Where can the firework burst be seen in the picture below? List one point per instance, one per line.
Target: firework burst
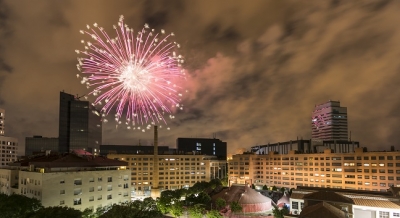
(132, 74)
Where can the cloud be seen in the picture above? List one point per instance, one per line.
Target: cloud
(255, 69)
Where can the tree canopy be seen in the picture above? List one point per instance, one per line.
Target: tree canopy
(17, 206)
(59, 212)
(134, 209)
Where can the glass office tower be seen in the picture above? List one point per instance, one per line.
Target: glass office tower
(80, 125)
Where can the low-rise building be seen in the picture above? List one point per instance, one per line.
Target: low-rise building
(351, 203)
(175, 171)
(362, 170)
(77, 180)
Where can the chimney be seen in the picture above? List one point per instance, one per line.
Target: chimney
(155, 160)
(155, 140)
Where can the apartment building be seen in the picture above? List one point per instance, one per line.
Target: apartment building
(175, 171)
(375, 171)
(73, 180)
(8, 145)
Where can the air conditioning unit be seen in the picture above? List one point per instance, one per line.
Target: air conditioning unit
(295, 212)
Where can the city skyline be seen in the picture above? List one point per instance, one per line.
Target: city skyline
(253, 78)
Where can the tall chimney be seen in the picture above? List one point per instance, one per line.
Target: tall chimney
(154, 189)
(155, 140)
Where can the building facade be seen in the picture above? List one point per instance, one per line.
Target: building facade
(329, 122)
(2, 123)
(40, 144)
(78, 182)
(133, 149)
(307, 146)
(8, 145)
(175, 170)
(8, 181)
(376, 171)
(206, 146)
(80, 125)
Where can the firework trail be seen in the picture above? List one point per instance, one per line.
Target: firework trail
(132, 74)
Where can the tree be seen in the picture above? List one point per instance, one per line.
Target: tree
(274, 188)
(196, 211)
(214, 214)
(16, 206)
(235, 207)
(199, 187)
(265, 187)
(165, 199)
(176, 208)
(215, 183)
(88, 213)
(200, 198)
(280, 212)
(58, 211)
(134, 209)
(290, 191)
(220, 203)
(283, 189)
(253, 186)
(224, 181)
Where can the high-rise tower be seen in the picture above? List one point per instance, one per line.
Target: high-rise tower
(8, 145)
(329, 122)
(80, 125)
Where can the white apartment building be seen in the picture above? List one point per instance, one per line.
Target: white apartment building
(375, 171)
(175, 170)
(355, 203)
(70, 180)
(8, 181)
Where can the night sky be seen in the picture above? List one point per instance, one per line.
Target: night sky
(255, 69)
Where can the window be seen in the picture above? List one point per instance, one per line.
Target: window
(77, 191)
(91, 198)
(62, 181)
(109, 197)
(383, 214)
(62, 202)
(395, 214)
(295, 205)
(99, 188)
(77, 201)
(62, 192)
(78, 182)
(109, 179)
(100, 179)
(100, 197)
(91, 179)
(91, 189)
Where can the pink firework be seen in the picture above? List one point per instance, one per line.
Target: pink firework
(132, 74)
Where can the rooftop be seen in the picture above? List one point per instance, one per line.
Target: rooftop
(74, 159)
